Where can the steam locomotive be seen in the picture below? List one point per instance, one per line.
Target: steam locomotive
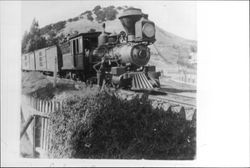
(118, 59)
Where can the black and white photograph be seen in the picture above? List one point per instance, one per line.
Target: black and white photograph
(109, 83)
(122, 82)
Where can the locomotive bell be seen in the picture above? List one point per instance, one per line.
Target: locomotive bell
(128, 19)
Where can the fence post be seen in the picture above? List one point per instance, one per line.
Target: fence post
(55, 72)
(34, 136)
(41, 120)
(45, 125)
(33, 129)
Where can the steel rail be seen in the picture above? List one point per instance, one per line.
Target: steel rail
(175, 94)
(165, 99)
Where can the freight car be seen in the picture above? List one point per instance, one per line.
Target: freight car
(45, 60)
(118, 59)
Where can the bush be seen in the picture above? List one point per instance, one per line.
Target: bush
(56, 27)
(104, 14)
(100, 125)
(59, 25)
(75, 19)
(91, 30)
(100, 16)
(97, 8)
(110, 13)
(89, 15)
(120, 8)
(46, 29)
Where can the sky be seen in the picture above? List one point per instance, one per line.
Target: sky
(178, 17)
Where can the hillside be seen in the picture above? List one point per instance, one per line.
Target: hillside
(173, 49)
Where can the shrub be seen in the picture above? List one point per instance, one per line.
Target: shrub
(92, 30)
(97, 8)
(100, 16)
(101, 125)
(56, 27)
(103, 14)
(120, 8)
(110, 13)
(59, 25)
(46, 29)
(89, 15)
(75, 19)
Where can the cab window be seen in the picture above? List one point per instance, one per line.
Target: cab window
(77, 45)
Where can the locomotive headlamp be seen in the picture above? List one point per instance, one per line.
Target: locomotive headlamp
(148, 29)
(145, 30)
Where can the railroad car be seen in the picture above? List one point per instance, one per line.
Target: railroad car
(48, 60)
(118, 59)
(28, 62)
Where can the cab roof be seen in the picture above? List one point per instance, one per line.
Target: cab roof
(89, 34)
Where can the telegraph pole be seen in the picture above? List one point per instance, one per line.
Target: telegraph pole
(55, 72)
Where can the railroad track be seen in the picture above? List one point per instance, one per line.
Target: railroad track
(174, 101)
(184, 105)
(171, 98)
(171, 101)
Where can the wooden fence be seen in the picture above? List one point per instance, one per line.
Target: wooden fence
(38, 133)
(35, 115)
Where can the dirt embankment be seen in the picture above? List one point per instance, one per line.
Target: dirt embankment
(40, 86)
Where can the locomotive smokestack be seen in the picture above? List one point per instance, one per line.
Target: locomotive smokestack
(128, 19)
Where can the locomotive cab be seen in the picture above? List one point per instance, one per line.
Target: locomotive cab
(77, 55)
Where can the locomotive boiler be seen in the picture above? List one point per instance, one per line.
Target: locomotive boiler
(120, 60)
